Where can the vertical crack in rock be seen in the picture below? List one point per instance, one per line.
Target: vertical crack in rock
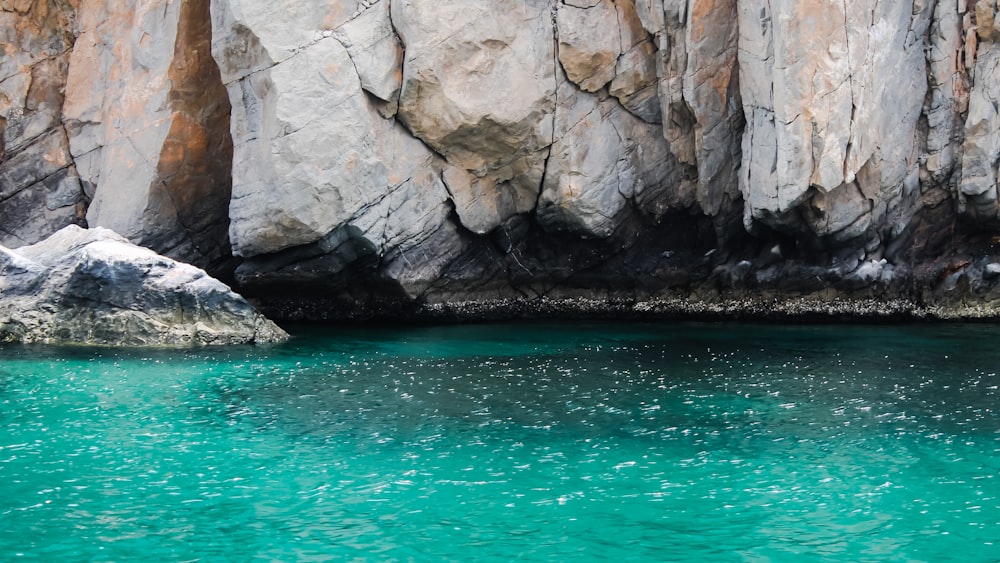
(948, 87)
(635, 84)
(852, 132)
(83, 198)
(194, 167)
(554, 19)
(376, 52)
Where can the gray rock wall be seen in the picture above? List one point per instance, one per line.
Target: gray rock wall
(452, 150)
(40, 189)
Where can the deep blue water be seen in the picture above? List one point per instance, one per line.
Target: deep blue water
(549, 442)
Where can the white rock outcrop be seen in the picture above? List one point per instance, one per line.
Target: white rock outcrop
(479, 89)
(93, 287)
(831, 141)
(318, 155)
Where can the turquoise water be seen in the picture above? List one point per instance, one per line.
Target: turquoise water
(550, 442)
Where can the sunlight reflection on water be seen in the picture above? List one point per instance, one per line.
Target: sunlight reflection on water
(618, 441)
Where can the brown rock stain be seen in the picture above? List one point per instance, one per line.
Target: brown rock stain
(195, 162)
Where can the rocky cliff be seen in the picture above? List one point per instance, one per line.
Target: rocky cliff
(340, 158)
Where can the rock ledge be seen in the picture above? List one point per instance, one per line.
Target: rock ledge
(93, 287)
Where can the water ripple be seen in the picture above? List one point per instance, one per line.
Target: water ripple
(539, 442)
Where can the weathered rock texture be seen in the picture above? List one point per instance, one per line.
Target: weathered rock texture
(396, 155)
(94, 287)
(832, 143)
(121, 96)
(40, 189)
(148, 125)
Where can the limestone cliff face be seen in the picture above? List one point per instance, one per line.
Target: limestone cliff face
(356, 151)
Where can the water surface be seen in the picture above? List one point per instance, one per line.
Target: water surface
(642, 442)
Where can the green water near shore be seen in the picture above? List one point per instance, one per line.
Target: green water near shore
(639, 442)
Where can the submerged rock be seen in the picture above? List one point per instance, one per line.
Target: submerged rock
(94, 287)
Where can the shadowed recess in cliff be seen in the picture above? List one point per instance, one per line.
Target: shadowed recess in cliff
(148, 126)
(195, 164)
(344, 277)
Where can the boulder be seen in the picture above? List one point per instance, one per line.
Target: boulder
(991, 271)
(94, 287)
(478, 87)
